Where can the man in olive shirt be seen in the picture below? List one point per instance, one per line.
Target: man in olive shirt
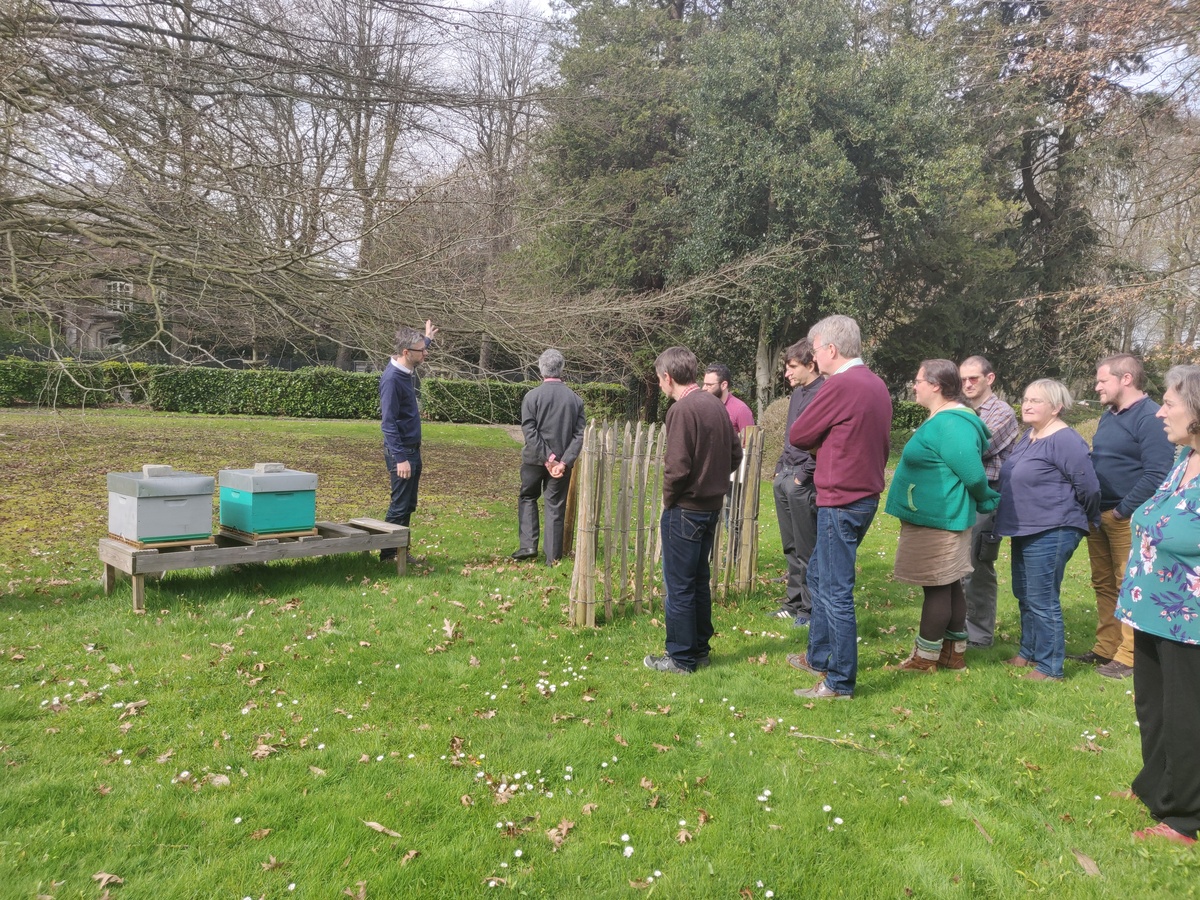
(702, 449)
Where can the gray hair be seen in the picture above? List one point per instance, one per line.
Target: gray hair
(551, 363)
(839, 331)
(1055, 392)
(1185, 381)
(407, 338)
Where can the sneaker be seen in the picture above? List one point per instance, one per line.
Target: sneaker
(779, 614)
(664, 664)
(801, 620)
(1163, 830)
(524, 553)
(1092, 658)
(1114, 669)
(800, 661)
(820, 692)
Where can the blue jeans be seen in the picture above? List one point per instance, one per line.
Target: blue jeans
(404, 490)
(687, 540)
(833, 632)
(1038, 563)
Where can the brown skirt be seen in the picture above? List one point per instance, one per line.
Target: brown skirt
(932, 556)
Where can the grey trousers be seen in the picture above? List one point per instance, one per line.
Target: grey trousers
(981, 588)
(796, 510)
(536, 482)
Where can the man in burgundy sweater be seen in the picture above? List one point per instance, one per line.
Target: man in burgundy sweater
(702, 449)
(847, 427)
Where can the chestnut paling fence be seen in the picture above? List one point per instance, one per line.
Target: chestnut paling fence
(616, 490)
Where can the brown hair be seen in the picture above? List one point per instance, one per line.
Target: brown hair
(944, 373)
(678, 362)
(1125, 364)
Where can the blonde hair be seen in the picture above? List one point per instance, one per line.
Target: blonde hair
(1055, 392)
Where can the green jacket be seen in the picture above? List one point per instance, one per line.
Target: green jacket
(940, 481)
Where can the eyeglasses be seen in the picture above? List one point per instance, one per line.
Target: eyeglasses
(971, 379)
(420, 349)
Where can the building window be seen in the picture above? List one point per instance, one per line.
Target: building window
(119, 297)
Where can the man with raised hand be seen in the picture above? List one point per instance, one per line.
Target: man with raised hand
(400, 419)
(1131, 456)
(847, 426)
(702, 449)
(552, 421)
(977, 379)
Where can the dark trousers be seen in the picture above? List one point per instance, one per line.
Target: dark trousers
(1165, 678)
(796, 510)
(536, 482)
(687, 542)
(404, 490)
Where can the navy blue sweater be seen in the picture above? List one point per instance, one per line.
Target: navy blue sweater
(400, 416)
(1131, 455)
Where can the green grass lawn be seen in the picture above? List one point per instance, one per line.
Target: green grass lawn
(239, 739)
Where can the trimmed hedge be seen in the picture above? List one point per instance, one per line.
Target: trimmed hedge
(74, 384)
(319, 392)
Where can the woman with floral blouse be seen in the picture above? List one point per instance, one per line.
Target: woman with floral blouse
(1160, 598)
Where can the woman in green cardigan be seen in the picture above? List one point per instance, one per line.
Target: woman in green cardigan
(938, 488)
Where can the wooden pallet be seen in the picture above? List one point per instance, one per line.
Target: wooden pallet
(145, 545)
(355, 536)
(247, 537)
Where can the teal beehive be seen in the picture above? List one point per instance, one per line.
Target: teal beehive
(268, 499)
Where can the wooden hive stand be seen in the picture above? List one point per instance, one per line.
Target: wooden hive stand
(355, 536)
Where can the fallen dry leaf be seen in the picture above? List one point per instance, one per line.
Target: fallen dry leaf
(316, 771)
(262, 751)
(103, 790)
(589, 808)
(684, 836)
(661, 748)
(702, 818)
(375, 826)
(770, 726)
(760, 660)
(163, 757)
(105, 879)
(620, 740)
(259, 834)
(559, 833)
(639, 884)
(473, 662)
(217, 780)
(485, 713)
(409, 857)
(646, 783)
(360, 894)
(1086, 862)
(466, 800)
(449, 628)
(271, 864)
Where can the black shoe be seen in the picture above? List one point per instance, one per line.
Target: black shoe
(525, 553)
(1092, 658)
(703, 662)
(387, 555)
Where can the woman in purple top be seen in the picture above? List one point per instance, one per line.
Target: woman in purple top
(1049, 495)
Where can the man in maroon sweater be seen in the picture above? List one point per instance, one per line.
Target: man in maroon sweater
(847, 427)
(702, 449)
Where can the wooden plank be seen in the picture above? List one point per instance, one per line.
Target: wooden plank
(139, 593)
(238, 534)
(378, 525)
(333, 529)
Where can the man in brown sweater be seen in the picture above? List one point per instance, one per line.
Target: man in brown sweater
(702, 449)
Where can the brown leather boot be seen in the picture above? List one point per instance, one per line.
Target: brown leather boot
(952, 656)
(919, 661)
